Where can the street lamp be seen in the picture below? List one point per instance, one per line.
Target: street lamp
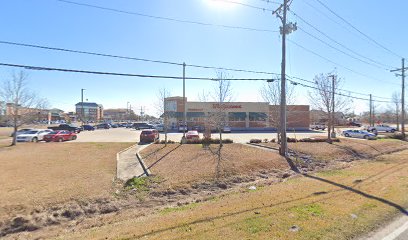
(82, 106)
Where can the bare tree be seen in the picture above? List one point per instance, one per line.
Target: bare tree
(221, 94)
(163, 110)
(271, 93)
(396, 101)
(321, 98)
(23, 105)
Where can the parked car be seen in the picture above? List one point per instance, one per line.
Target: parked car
(114, 125)
(358, 134)
(197, 128)
(317, 126)
(192, 135)
(182, 128)
(226, 129)
(88, 128)
(139, 126)
(102, 126)
(354, 124)
(159, 127)
(149, 135)
(67, 127)
(60, 136)
(34, 135)
(381, 128)
(21, 131)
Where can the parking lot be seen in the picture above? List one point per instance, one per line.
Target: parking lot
(131, 135)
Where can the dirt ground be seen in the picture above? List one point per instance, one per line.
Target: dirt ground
(180, 164)
(38, 175)
(337, 204)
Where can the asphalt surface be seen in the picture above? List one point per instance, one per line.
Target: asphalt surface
(131, 135)
(395, 230)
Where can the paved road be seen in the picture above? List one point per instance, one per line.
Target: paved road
(131, 135)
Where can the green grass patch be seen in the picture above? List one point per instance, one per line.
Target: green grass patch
(307, 211)
(142, 184)
(168, 210)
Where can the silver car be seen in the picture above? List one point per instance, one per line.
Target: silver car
(358, 134)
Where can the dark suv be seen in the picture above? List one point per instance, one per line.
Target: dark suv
(139, 126)
(102, 126)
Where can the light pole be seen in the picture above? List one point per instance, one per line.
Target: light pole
(127, 111)
(82, 106)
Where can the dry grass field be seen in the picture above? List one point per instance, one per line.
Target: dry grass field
(346, 148)
(40, 174)
(180, 164)
(337, 204)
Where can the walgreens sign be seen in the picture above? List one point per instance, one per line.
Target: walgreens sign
(225, 106)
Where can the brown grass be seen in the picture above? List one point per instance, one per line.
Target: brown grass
(346, 148)
(179, 164)
(39, 174)
(338, 204)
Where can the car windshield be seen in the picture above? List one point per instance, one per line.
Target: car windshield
(147, 132)
(53, 132)
(31, 132)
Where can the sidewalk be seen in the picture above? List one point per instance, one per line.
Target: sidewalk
(127, 164)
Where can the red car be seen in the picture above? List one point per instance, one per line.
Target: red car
(60, 136)
(149, 135)
(192, 135)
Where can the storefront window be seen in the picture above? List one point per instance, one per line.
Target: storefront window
(237, 116)
(257, 116)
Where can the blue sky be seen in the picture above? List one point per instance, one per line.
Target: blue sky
(58, 24)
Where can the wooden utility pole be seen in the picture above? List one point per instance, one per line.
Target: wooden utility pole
(371, 110)
(333, 134)
(286, 28)
(402, 95)
(184, 101)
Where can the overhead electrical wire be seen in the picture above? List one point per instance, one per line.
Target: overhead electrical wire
(359, 31)
(372, 62)
(162, 62)
(340, 65)
(167, 18)
(38, 68)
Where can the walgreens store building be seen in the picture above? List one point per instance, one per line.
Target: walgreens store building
(238, 115)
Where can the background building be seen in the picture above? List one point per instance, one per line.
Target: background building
(89, 112)
(237, 115)
(118, 114)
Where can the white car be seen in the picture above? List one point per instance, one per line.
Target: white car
(182, 128)
(34, 135)
(381, 128)
(226, 129)
(159, 127)
(358, 134)
(317, 126)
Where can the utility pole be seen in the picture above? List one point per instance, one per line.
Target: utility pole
(82, 106)
(402, 95)
(333, 134)
(371, 110)
(184, 101)
(285, 29)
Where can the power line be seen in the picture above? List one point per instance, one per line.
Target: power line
(356, 29)
(167, 18)
(37, 68)
(373, 62)
(132, 58)
(340, 65)
(244, 5)
(162, 62)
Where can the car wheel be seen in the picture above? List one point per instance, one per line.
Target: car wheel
(392, 130)
(365, 137)
(34, 139)
(60, 139)
(347, 135)
(74, 138)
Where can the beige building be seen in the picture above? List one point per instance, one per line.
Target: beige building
(238, 115)
(89, 111)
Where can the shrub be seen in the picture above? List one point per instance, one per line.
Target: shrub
(397, 136)
(207, 141)
(255, 141)
(273, 140)
(265, 140)
(164, 142)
